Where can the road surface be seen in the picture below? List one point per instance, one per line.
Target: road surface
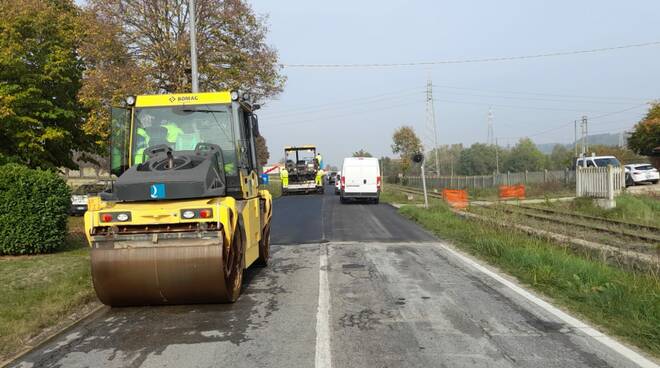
(348, 286)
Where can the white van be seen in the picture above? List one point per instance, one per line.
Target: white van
(360, 179)
(597, 161)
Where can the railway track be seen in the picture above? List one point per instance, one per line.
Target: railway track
(621, 229)
(596, 218)
(650, 234)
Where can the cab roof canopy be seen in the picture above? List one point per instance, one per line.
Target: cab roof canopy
(186, 99)
(302, 147)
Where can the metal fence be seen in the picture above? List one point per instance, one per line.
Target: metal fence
(564, 177)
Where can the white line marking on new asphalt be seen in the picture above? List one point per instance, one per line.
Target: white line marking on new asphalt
(576, 323)
(323, 356)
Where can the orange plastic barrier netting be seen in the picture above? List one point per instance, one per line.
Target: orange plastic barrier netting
(455, 198)
(512, 191)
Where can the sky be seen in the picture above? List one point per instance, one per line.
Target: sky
(342, 110)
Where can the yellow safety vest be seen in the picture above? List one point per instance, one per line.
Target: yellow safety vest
(173, 132)
(284, 174)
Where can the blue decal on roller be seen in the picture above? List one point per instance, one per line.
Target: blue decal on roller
(157, 191)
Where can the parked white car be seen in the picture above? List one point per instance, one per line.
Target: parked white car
(338, 183)
(360, 179)
(641, 173)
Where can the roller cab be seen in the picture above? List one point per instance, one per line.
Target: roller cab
(185, 216)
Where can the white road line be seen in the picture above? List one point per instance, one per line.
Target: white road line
(323, 356)
(572, 321)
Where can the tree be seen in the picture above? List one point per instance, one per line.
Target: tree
(524, 156)
(406, 143)
(646, 135)
(560, 158)
(624, 155)
(479, 159)
(448, 156)
(40, 76)
(262, 151)
(111, 75)
(231, 42)
(361, 153)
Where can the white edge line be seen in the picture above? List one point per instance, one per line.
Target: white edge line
(323, 356)
(572, 321)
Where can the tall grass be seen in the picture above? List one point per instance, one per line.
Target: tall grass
(625, 304)
(630, 208)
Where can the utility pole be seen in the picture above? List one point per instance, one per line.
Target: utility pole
(491, 133)
(497, 157)
(193, 46)
(575, 141)
(585, 133)
(430, 121)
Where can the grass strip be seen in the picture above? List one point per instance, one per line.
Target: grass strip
(37, 292)
(643, 210)
(624, 304)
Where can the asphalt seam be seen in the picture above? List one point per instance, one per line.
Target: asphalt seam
(323, 358)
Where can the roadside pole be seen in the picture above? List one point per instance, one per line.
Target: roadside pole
(193, 47)
(419, 158)
(426, 198)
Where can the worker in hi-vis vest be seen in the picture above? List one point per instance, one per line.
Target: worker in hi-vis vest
(284, 175)
(319, 178)
(319, 160)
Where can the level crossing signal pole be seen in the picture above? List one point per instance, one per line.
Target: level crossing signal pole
(419, 158)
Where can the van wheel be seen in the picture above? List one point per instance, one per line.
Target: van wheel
(377, 200)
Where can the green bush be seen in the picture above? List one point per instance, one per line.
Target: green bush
(34, 208)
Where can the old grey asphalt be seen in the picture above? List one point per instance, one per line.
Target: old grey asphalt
(397, 298)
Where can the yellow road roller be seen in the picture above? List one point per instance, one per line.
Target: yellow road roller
(185, 216)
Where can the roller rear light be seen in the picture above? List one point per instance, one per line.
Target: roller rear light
(343, 182)
(115, 217)
(191, 214)
(378, 181)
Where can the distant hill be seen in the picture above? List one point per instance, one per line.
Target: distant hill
(605, 139)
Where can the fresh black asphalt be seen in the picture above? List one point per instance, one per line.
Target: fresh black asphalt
(397, 298)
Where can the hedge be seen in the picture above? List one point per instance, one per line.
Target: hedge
(34, 208)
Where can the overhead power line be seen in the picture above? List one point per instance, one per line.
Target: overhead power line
(567, 96)
(475, 60)
(558, 127)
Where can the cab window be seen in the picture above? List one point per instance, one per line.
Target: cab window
(119, 140)
(182, 128)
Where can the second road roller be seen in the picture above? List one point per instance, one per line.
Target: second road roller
(185, 216)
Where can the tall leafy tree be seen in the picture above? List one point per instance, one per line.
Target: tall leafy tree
(646, 136)
(361, 153)
(524, 156)
(231, 41)
(40, 76)
(560, 158)
(479, 159)
(143, 46)
(262, 151)
(406, 144)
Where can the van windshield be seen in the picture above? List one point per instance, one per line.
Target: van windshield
(603, 162)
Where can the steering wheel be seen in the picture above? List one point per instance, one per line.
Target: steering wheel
(164, 164)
